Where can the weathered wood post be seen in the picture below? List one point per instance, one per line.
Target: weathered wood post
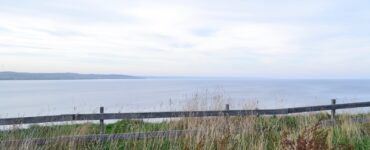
(101, 120)
(333, 102)
(227, 107)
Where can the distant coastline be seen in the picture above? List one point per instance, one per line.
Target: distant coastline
(8, 75)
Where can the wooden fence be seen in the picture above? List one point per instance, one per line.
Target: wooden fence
(163, 134)
(175, 114)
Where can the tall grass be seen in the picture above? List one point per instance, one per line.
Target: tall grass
(296, 132)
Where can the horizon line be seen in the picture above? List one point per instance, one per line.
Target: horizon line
(199, 76)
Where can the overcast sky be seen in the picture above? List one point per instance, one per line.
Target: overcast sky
(283, 39)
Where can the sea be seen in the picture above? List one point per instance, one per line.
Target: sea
(21, 98)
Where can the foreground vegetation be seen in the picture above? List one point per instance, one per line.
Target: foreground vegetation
(292, 132)
(275, 132)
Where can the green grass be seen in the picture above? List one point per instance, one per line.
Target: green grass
(216, 133)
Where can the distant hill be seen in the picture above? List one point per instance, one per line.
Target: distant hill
(60, 76)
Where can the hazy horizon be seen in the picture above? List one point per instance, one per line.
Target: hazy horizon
(253, 39)
(198, 77)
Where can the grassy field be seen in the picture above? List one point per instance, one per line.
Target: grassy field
(276, 132)
(293, 132)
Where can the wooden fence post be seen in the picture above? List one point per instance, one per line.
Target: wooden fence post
(227, 107)
(333, 102)
(102, 121)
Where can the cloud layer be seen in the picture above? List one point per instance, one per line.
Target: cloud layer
(208, 38)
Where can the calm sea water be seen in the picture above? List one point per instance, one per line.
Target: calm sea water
(28, 98)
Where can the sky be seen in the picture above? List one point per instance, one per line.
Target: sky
(233, 38)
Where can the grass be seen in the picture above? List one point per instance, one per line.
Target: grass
(299, 132)
(293, 132)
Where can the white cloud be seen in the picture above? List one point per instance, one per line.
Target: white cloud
(239, 38)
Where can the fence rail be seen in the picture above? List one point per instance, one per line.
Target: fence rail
(101, 137)
(146, 115)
